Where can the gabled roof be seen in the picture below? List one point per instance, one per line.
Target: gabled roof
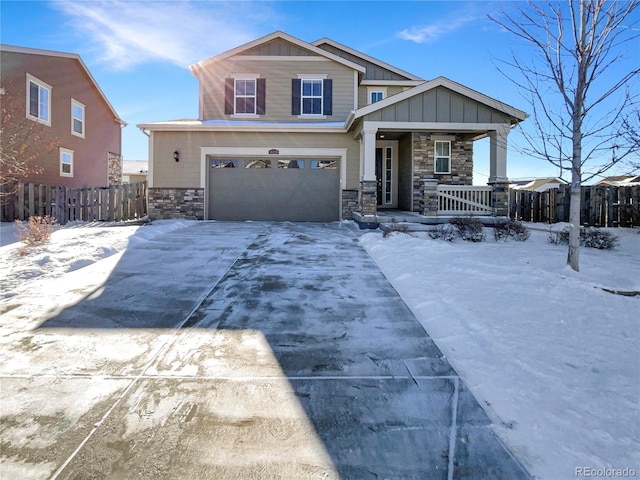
(536, 184)
(363, 56)
(519, 115)
(74, 56)
(272, 36)
(620, 181)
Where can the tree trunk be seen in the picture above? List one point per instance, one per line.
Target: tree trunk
(574, 220)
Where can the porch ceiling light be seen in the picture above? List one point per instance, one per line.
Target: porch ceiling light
(176, 156)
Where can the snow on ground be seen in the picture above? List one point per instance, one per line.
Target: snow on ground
(72, 247)
(552, 357)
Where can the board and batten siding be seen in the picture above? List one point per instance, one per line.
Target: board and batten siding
(278, 47)
(374, 72)
(167, 173)
(439, 105)
(278, 75)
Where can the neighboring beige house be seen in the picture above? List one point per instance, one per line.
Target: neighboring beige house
(290, 130)
(57, 91)
(620, 181)
(134, 171)
(536, 184)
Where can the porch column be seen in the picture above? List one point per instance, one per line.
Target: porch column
(498, 171)
(498, 155)
(368, 191)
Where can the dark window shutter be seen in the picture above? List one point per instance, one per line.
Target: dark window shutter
(33, 99)
(228, 96)
(261, 90)
(327, 97)
(296, 92)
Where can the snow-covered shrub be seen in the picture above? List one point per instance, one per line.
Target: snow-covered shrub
(394, 227)
(559, 238)
(598, 238)
(37, 231)
(445, 232)
(589, 237)
(469, 228)
(505, 229)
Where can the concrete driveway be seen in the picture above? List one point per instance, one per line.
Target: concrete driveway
(239, 350)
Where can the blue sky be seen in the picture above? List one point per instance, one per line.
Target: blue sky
(139, 51)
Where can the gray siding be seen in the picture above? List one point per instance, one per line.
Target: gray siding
(278, 75)
(363, 96)
(374, 72)
(439, 105)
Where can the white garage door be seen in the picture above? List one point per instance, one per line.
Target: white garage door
(259, 188)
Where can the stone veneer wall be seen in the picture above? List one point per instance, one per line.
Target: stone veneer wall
(424, 159)
(169, 203)
(349, 203)
(368, 197)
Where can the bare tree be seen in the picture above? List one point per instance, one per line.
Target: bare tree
(630, 132)
(575, 88)
(23, 142)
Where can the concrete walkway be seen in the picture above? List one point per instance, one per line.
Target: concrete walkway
(240, 350)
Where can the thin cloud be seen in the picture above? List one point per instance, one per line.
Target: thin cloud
(438, 29)
(125, 34)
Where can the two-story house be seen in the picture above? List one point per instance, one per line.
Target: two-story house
(56, 92)
(290, 130)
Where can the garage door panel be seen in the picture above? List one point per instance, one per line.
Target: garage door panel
(295, 194)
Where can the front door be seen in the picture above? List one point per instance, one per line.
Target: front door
(387, 174)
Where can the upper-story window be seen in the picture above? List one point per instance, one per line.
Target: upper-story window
(245, 95)
(77, 118)
(376, 96)
(442, 156)
(311, 95)
(38, 100)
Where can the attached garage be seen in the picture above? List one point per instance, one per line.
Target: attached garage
(274, 187)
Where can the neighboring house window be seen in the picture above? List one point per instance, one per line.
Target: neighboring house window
(66, 162)
(245, 96)
(442, 156)
(38, 100)
(376, 96)
(77, 118)
(311, 96)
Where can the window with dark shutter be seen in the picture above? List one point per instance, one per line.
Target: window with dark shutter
(228, 96)
(327, 96)
(261, 94)
(296, 91)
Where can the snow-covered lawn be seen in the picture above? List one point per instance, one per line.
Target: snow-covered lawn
(72, 247)
(553, 358)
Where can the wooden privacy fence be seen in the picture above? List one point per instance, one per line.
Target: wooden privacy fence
(114, 203)
(599, 205)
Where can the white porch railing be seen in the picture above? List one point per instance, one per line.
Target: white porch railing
(464, 200)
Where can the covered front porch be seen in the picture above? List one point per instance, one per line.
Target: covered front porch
(428, 174)
(416, 152)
